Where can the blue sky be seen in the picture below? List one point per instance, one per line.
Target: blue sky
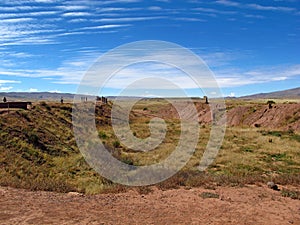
(48, 45)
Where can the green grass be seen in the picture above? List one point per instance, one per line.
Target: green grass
(284, 134)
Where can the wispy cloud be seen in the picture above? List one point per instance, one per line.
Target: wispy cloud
(128, 19)
(108, 26)
(5, 88)
(116, 9)
(18, 34)
(108, 2)
(256, 6)
(78, 20)
(3, 84)
(76, 14)
(72, 71)
(72, 7)
(254, 16)
(9, 82)
(15, 8)
(25, 27)
(42, 13)
(154, 8)
(270, 8)
(189, 19)
(228, 3)
(235, 77)
(31, 15)
(17, 20)
(215, 11)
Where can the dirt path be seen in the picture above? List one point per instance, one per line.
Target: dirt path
(250, 205)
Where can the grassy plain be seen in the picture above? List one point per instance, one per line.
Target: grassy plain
(38, 150)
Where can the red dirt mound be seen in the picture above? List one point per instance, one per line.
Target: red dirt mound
(280, 116)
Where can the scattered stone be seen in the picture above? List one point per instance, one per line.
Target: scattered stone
(73, 193)
(272, 185)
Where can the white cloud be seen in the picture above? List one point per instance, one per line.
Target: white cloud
(108, 26)
(18, 8)
(254, 16)
(9, 81)
(216, 11)
(70, 71)
(228, 3)
(54, 91)
(128, 19)
(219, 58)
(154, 8)
(280, 78)
(78, 20)
(17, 20)
(20, 31)
(118, 1)
(115, 9)
(20, 54)
(76, 14)
(256, 6)
(45, 1)
(26, 16)
(33, 90)
(5, 88)
(270, 8)
(235, 77)
(73, 70)
(44, 13)
(72, 7)
(189, 19)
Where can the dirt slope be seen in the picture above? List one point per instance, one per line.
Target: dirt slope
(280, 116)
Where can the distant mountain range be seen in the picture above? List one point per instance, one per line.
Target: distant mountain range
(40, 96)
(35, 96)
(286, 94)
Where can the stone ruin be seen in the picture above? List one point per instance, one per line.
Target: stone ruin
(102, 99)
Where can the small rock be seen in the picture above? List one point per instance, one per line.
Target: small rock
(272, 185)
(72, 193)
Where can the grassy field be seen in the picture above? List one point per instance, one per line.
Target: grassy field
(39, 151)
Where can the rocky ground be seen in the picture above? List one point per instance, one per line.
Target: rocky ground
(255, 204)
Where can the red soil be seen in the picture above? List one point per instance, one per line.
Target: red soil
(249, 205)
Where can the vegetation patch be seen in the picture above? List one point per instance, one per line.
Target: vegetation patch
(290, 193)
(284, 134)
(209, 195)
(247, 148)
